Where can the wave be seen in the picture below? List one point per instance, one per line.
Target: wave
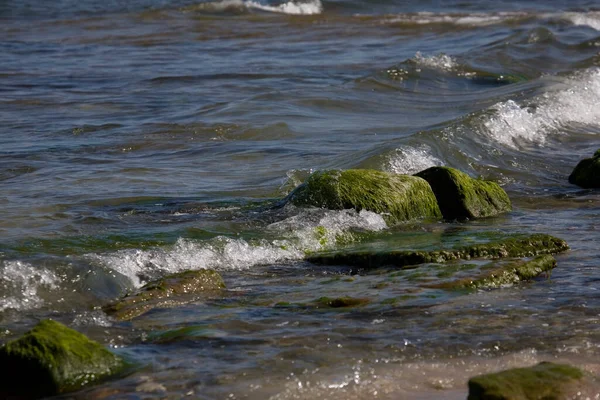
(21, 284)
(478, 20)
(410, 160)
(310, 7)
(512, 123)
(309, 230)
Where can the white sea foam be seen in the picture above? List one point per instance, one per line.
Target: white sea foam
(441, 62)
(473, 19)
(20, 284)
(577, 103)
(309, 231)
(410, 160)
(591, 19)
(291, 7)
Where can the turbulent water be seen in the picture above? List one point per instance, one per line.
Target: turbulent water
(147, 137)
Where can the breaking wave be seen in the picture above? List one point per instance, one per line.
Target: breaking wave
(311, 7)
(576, 102)
(21, 283)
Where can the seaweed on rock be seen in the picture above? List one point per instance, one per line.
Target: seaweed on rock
(52, 359)
(396, 197)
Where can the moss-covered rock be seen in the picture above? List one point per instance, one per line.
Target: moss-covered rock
(528, 246)
(587, 173)
(547, 381)
(459, 196)
(397, 197)
(504, 274)
(170, 291)
(52, 359)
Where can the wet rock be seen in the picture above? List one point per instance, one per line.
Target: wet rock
(504, 274)
(170, 291)
(52, 359)
(397, 197)
(587, 173)
(546, 381)
(459, 196)
(341, 302)
(528, 246)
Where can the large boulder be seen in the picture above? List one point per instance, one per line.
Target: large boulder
(396, 197)
(170, 291)
(528, 246)
(459, 196)
(52, 359)
(546, 381)
(587, 173)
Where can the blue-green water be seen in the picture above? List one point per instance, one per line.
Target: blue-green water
(148, 137)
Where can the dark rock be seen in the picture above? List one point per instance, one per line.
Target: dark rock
(459, 196)
(587, 173)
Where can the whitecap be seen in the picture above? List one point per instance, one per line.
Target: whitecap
(577, 102)
(310, 230)
(291, 7)
(591, 19)
(20, 283)
(442, 62)
(410, 160)
(472, 19)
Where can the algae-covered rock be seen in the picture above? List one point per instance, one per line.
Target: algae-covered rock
(52, 359)
(528, 246)
(545, 381)
(459, 196)
(587, 173)
(504, 274)
(170, 291)
(397, 197)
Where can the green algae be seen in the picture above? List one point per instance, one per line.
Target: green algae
(170, 291)
(52, 359)
(587, 172)
(528, 246)
(545, 381)
(504, 274)
(397, 198)
(459, 196)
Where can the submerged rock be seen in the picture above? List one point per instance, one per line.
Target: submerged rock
(52, 359)
(528, 246)
(504, 274)
(170, 291)
(587, 173)
(341, 302)
(459, 196)
(397, 197)
(546, 381)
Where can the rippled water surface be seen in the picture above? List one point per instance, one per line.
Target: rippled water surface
(148, 137)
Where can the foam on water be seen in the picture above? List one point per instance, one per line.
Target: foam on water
(291, 7)
(410, 160)
(472, 19)
(513, 123)
(591, 19)
(311, 230)
(441, 62)
(20, 284)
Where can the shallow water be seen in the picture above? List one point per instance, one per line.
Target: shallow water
(152, 136)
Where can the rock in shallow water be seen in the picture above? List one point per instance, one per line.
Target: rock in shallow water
(511, 247)
(52, 359)
(547, 381)
(397, 197)
(587, 173)
(170, 291)
(459, 196)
